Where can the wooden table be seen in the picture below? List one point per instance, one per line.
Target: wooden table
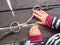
(21, 16)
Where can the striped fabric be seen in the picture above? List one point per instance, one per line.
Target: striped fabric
(54, 40)
(53, 22)
(56, 23)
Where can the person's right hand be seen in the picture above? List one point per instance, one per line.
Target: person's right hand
(34, 31)
(41, 15)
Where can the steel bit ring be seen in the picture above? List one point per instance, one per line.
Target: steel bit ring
(13, 27)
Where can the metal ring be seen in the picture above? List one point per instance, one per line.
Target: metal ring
(11, 27)
(35, 7)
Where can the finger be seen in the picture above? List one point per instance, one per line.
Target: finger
(36, 25)
(33, 28)
(37, 12)
(42, 11)
(37, 16)
(35, 31)
(38, 22)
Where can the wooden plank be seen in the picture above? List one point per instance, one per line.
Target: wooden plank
(21, 16)
(23, 35)
(3, 5)
(25, 3)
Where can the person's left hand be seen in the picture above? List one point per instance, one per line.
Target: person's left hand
(41, 15)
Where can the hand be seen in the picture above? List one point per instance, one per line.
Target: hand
(41, 15)
(34, 31)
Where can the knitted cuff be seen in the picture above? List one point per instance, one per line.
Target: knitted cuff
(37, 38)
(48, 21)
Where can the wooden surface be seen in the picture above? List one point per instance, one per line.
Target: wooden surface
(23, 15)
(25, 3)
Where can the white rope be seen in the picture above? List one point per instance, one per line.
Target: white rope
(32, 15)
(10, 6)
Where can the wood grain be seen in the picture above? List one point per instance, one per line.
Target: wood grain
(21, 16)
(25, 3)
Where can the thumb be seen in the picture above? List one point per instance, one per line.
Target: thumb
(38, 22)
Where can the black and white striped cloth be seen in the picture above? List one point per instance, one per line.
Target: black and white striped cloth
(54, 40)
(56, 23)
